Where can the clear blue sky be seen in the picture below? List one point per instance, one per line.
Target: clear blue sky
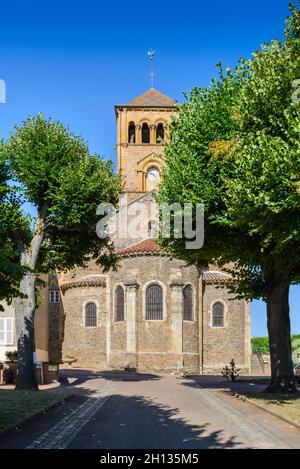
(73, 60)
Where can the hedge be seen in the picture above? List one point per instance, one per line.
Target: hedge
(262, 343)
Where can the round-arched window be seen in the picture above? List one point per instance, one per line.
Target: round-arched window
(152, 178)
(218, 315)
(145, 133)
(131, 132)
(188, 303)
(119, 303)
(154, 302)
(160, 133)
(90, 315)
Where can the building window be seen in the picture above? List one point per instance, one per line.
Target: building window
(54, 296)
(152, 178)
(188, 303)
(6, 331)
(145, 133)
(160, 133)
(131, 133)
(119, 304)
(90, 315)
(218, 315)
(154, 302)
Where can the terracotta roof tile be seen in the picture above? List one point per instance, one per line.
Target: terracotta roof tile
(149, 246)
(215, 276)
(87, 281)
(153, 98)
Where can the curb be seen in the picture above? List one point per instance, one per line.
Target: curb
(14, 427)
(271, 412)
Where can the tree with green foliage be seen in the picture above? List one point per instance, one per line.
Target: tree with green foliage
(11, 220)
(65, 184)
(262, 344)
(235, 146)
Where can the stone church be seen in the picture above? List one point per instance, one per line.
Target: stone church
(154, 313)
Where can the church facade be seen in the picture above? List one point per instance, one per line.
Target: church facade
(154, 313)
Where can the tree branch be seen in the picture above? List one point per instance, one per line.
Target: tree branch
(31, 255)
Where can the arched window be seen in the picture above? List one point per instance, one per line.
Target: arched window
(152, 178)
(218, 315)
(145, 133)
(160, 133)
(131, 132)
(119, 304)
(188, 303)
(154, 302)
(90, 315)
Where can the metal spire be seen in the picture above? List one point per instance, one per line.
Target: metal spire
(151, 54)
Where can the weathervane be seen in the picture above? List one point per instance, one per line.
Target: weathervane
(151, 54)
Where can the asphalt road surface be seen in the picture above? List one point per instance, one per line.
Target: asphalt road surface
(118, 410)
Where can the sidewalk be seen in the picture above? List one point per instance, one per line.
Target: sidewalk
(42, 387)
(250, 391)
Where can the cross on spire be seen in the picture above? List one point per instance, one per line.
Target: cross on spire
(152, 74)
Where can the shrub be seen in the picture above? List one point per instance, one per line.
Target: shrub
(11, 355)
(231, 371)
(262, 343)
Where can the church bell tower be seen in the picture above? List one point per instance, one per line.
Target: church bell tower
(142, 127)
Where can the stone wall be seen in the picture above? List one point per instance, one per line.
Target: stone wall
(168, 345)
(159, 345)
(86, 344)
(221, 344)
(133, 202)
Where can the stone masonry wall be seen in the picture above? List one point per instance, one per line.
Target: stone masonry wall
(155, 344)
(86, 344)
(220, 345)
(158, 347)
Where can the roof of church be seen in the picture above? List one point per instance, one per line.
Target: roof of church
(153, 98)
(148, 246)
(215, 276)
(86, 281)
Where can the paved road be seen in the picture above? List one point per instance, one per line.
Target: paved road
(118, 410)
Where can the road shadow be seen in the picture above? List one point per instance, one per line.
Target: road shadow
(128, 376)
(217, 382)
(86, 382)
(126, 422)
(135, 422)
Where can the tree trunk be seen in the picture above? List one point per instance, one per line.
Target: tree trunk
(25, 308)
(24, 311)
(278, 313)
